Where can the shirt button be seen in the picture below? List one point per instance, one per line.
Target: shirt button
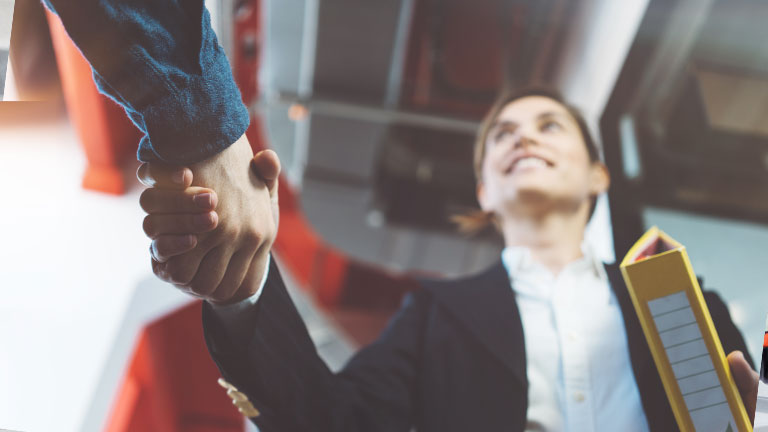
(579, 397)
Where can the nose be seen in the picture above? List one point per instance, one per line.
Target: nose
(523, 140)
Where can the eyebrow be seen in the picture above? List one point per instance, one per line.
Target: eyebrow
(506, 123)
(549, 114)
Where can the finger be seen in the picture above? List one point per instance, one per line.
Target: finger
(237, 269)
(252, 280)
(158, 268)
(746, 381)
(211, 271)
(165, 247)
(157, 174)
(266, 164)
(181, 269)
(190, 200)
(158, 224)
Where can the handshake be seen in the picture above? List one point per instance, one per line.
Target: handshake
(212, 224)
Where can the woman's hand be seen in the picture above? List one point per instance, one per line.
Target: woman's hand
(746, 381)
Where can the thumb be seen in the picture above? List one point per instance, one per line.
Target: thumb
(266, 165)
(746, 380)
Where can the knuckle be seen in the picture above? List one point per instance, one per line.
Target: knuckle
(168, 245)
(160, 270)
(232, 233)
(177, 271)
(252, 239)
(157, 267)
(142, 174)
(149, 226)
(150, 174)
(202, 287)
(271, 233)
(161, 249)
(226, 234)
(186, 291)
(207, 241)
(219, 295)
(145, 201)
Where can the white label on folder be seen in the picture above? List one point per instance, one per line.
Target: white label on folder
(687, 354)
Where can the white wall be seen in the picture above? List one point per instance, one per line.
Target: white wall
(593, 56)
(6, 16)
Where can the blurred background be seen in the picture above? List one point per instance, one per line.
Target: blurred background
(6, 16)
(372, 109)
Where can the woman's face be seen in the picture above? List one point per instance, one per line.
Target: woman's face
(536, 160)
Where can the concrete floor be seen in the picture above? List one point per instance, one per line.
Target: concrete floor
(70, 260)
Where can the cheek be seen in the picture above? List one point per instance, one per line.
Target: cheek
(575, 159)
(576, 180)
(488, 170)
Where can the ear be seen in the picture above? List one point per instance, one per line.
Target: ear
(599, 178)
(481, 197)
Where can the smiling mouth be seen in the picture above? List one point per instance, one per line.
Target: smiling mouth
(528, 162)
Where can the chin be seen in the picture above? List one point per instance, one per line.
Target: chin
(532, 195)
(528, 197)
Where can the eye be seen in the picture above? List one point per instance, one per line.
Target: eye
(500, 134)
(551, 126)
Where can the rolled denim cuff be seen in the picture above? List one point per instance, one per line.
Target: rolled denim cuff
(196, 122)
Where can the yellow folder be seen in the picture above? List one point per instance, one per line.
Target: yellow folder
(682, 337)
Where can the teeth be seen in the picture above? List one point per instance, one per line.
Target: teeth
(530, 162)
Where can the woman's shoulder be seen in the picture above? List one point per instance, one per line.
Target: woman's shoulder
(491, 274)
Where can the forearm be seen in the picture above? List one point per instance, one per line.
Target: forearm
(276, 364)
(271, 358)
(161, 61)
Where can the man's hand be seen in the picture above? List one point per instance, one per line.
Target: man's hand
(746, 381)
(218, 255)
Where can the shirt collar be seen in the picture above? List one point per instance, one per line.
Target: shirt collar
(518, 259)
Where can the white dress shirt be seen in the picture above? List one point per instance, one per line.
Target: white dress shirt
(579, 373)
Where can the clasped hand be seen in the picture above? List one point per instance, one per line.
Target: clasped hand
(213, 245)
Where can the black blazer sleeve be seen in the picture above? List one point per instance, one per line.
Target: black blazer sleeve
(277, 367)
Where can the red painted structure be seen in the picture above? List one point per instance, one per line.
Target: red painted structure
(108, 137)
(170, 383)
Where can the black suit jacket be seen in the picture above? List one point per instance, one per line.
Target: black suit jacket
(452, 359)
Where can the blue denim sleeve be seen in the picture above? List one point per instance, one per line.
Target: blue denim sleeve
(161, 61)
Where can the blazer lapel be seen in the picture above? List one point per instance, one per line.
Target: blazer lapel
(486, 305)
(638, 347)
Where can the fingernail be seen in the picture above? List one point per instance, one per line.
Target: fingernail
(178, 177)
(203, 200)
(204, 220)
